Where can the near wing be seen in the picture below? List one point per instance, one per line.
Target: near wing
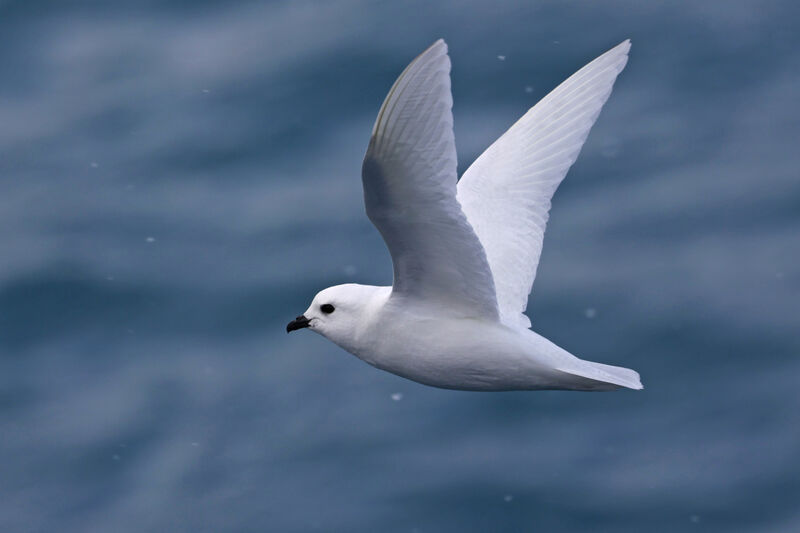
(506, 192)
(410, 177)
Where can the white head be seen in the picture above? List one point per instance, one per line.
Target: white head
(338, 312)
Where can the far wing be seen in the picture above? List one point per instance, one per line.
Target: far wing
(410, 177)
(506, 192)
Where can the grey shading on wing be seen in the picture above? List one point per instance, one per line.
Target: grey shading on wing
(506, 192)
(409, 175)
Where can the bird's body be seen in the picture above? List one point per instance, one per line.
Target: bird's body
(465, 252)
(417, 341)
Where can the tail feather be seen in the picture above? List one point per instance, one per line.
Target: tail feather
(613, 375)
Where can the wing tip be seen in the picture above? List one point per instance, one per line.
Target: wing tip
(435, 52)
(439, 45)
(618, 55)
(624, 47)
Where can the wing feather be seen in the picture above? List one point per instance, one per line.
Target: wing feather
(409, 176)
(506, 192)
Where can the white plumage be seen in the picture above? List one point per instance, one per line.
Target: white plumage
(465, 253)
(409, 176)
(506, 192)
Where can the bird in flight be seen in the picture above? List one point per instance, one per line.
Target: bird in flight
(464, 252)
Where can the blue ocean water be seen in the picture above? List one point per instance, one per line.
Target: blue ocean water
(178, 179)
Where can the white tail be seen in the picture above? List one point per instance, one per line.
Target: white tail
(601, 375)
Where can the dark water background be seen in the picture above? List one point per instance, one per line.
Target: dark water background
(177, 180)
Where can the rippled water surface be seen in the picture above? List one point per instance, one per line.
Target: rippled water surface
(177, 180)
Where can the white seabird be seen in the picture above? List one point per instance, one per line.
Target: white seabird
(465, 252)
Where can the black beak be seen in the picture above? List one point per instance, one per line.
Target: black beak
(298, 323)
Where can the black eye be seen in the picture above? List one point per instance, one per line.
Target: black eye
(327, 308)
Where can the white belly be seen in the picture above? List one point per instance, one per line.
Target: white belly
(464, 354)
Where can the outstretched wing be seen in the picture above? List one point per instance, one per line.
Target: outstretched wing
(410, 177)
(506, 192)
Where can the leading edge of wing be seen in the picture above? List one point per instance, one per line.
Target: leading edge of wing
(409, 177)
